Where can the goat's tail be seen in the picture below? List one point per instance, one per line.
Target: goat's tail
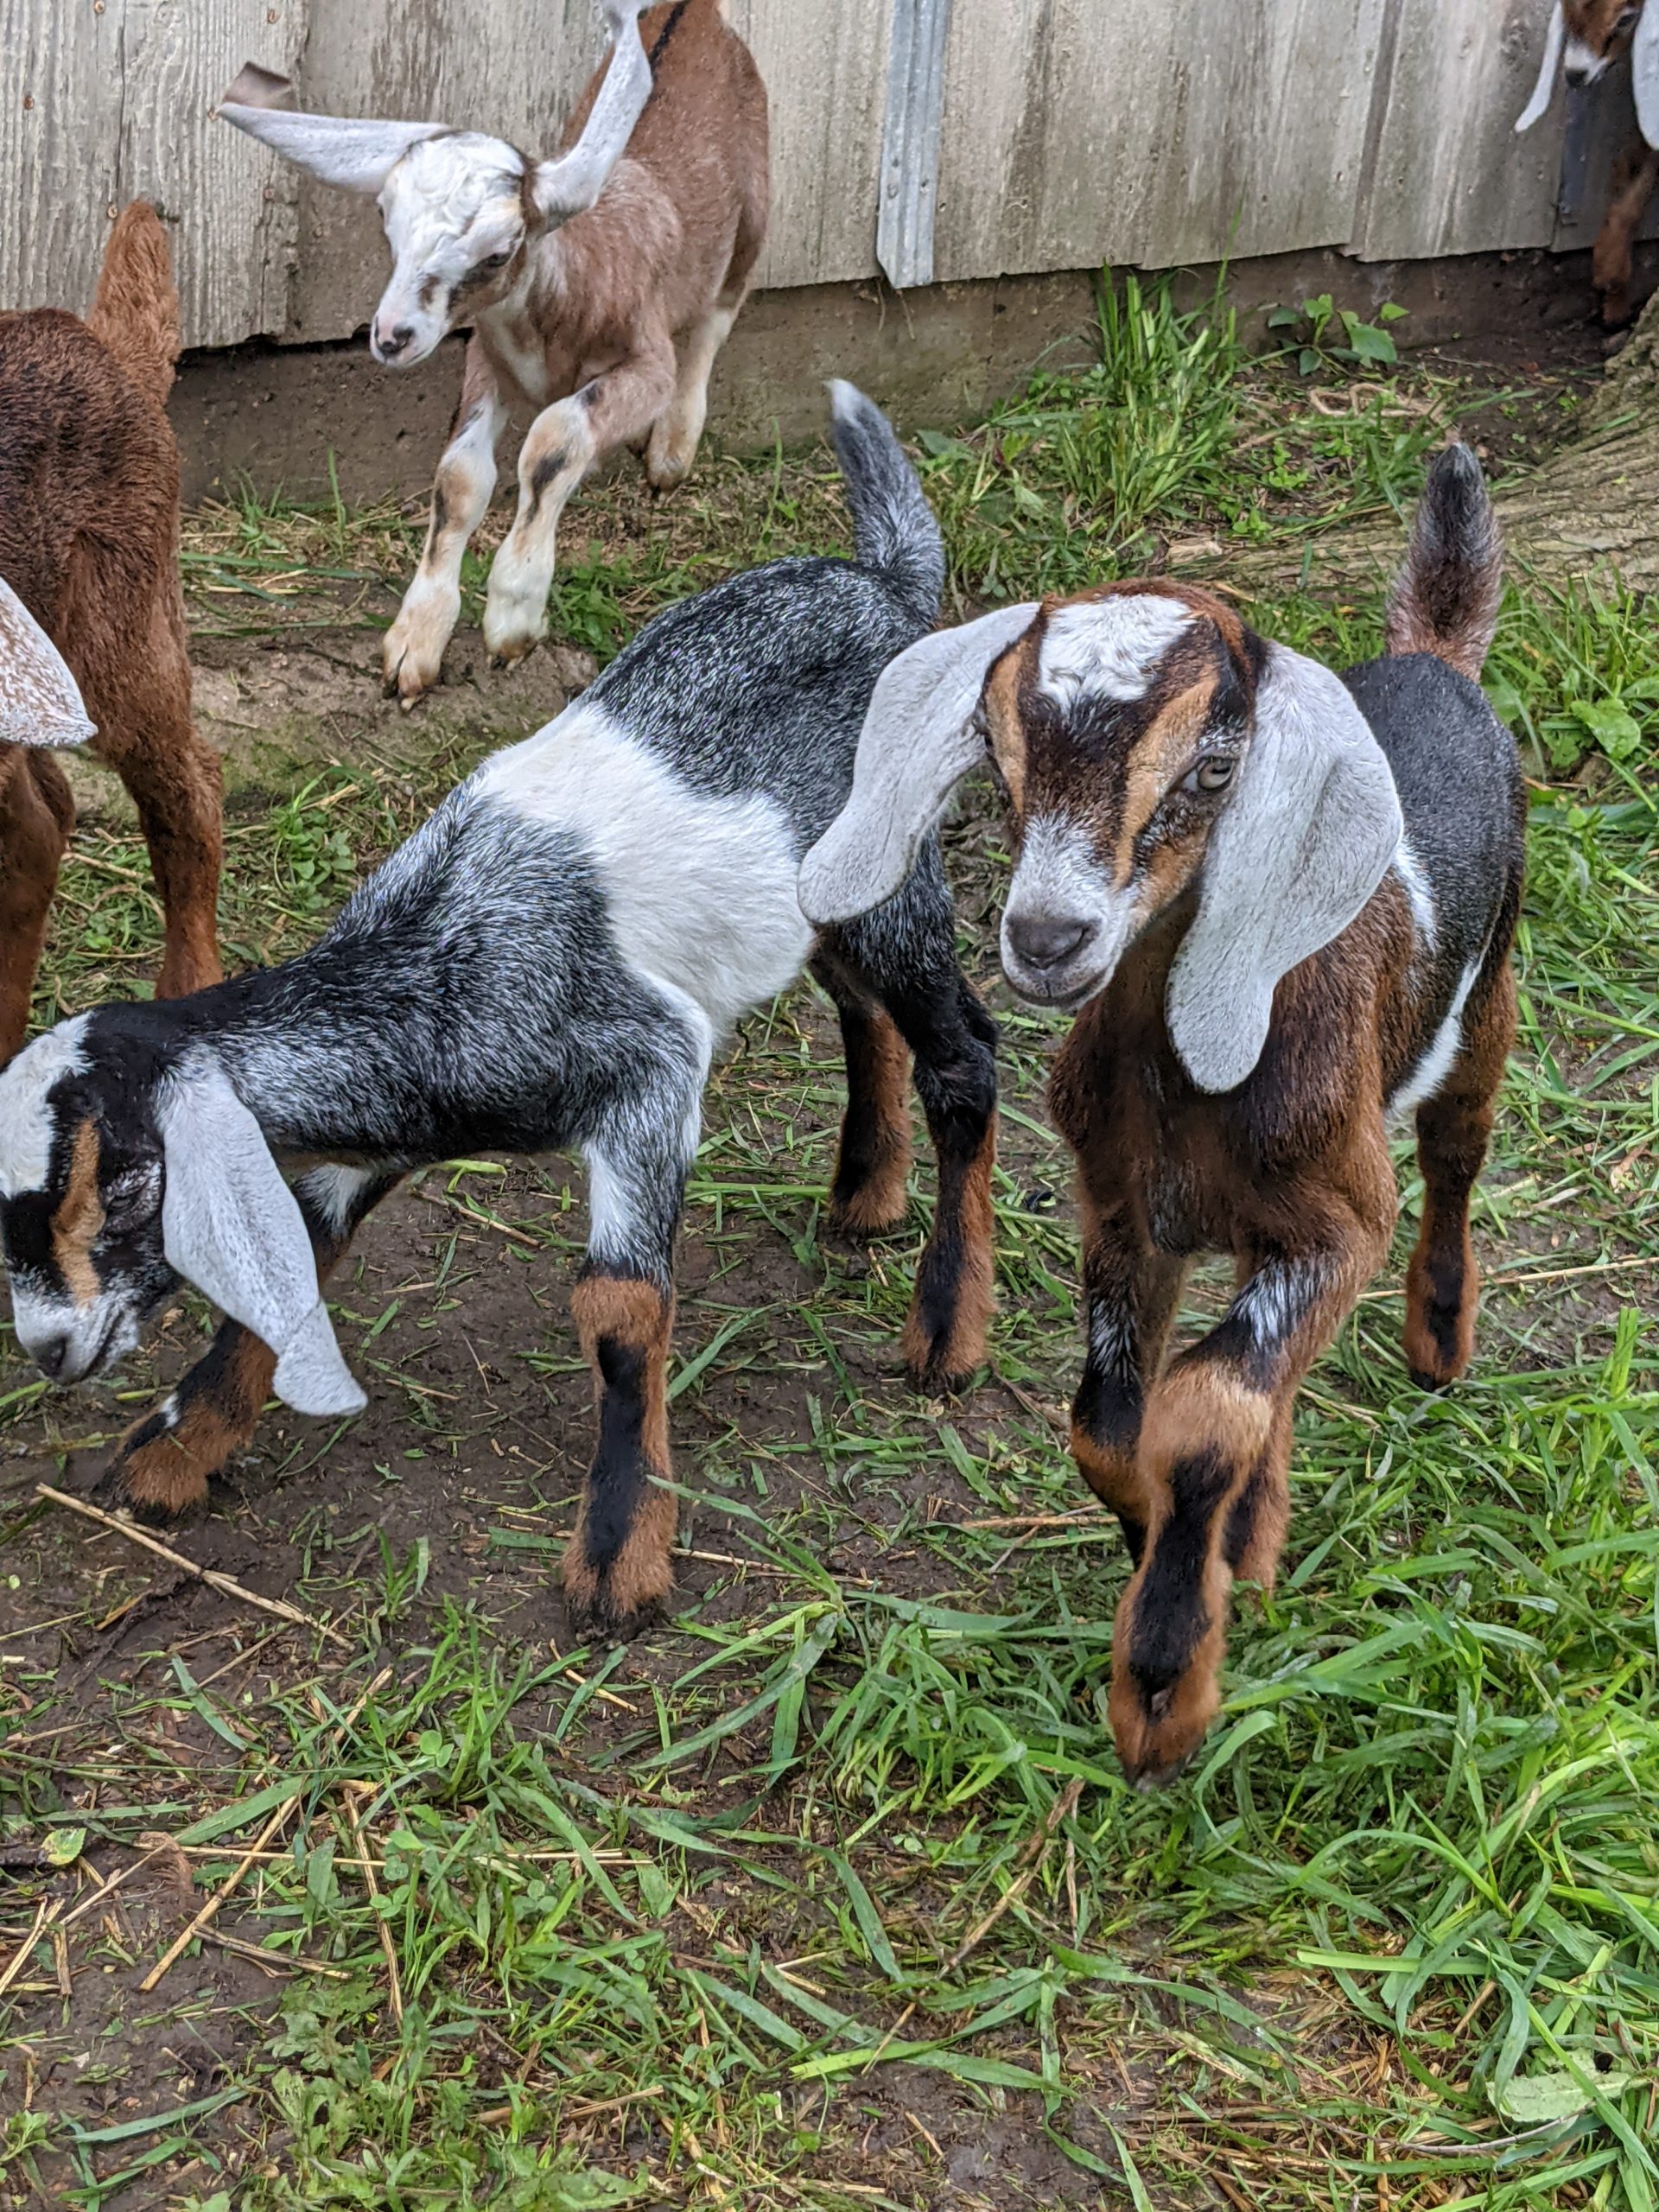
(136, 312)
(1445, 597)
(894, 529)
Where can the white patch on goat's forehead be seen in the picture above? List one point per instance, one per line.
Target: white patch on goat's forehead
(442, 183)
(1107, 648)
(25, 1118)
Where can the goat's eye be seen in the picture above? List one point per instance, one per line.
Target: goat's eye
(1213, 773)
(498, 260)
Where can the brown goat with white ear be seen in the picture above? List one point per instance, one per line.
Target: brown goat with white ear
(1282, 902)
(89, 520)
(579, 276)
(1584, 38)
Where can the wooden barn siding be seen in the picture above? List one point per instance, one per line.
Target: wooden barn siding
(1075, 132)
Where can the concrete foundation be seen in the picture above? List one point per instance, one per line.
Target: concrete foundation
(271, 416)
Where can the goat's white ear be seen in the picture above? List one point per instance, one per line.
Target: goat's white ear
(572, 182)
(1544, 90)
(232, 1226)
(1644, 73)
(1306, 838)
(357, 154)
(40, 701)
(920, 736)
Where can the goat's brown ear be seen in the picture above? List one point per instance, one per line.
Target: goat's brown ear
(573, 181)
(1544, 90)
(1304, 841)
(1644, 73)
(253, 87)
(40, 701)
(920, 735)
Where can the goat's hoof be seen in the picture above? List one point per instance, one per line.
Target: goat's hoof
(864, 1223)
(511, 650)
(154, 1475)
(937, 1378)
(596, 1619)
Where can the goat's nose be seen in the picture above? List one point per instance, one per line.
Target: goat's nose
(1575, 76)
(394, 340)
(1048, 941)
(50, 1353)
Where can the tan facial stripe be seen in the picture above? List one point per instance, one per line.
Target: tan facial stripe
(78, 1219)
(1164, 748)
(1002, 719)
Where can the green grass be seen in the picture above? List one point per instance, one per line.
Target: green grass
(834, 1886)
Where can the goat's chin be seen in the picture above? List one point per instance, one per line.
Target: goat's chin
(1058, 993)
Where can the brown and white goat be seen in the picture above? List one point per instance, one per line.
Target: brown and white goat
(579, 276)
(89, 520)
(1584, 38)
(1282, 901)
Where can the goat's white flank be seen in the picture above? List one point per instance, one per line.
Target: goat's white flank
(1431, 1072)
(713, 915)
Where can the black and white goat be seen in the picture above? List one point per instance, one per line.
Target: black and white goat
(548, 963)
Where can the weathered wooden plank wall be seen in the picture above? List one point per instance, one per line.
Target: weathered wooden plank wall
(1075, 132)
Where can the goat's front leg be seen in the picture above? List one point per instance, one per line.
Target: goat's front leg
(1130, 1294)
(1610, 261)
(412, 653)
(1215, 1452)
(618, 1575)
(163, 1464)
(564, 441)
(37, 814)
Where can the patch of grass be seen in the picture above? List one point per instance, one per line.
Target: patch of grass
(832, 1894)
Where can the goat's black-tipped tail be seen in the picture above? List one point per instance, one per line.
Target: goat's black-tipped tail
(894, 527)
(1445, 597)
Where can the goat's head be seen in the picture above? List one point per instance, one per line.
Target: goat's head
(461, 210)
(1150, 746)
(1584, 38)
(124, 1166)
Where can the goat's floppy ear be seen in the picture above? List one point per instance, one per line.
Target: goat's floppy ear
(40, 701)
(1644, 72)
(357, 154)
(920, 736)
(571, 182)
(232, 1226)
(1307, 837)
(1544, 90)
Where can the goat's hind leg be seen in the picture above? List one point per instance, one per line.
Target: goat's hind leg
(37, 815)
(1454, 1130)
(678, 430)
(618, 1575)
(164, 1464)
(905, 952)
(412, 651)
(564, 442)
(1612, 259)
(867, 1197)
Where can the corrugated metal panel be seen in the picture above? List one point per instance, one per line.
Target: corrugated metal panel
(910, 141)
(103, 100)
(1076, 132)
(1449, 175)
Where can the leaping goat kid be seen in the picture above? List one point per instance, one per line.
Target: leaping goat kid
(580, 277)
(1282, 902)
(547, 964)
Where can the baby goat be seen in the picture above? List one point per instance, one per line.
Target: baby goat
(548, 963)
(1583, 38)
(577, 276)
(89, 521)
(1282, 902)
